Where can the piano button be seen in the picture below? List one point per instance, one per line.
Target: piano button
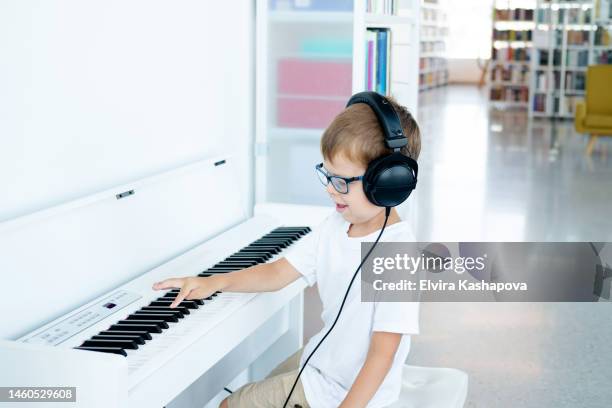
(123, 326)
(185, 303)
(149, 316)
(145, 335)
(124, 344)
(114, 350)
(158, 322)
(136, 339)
(182, 310)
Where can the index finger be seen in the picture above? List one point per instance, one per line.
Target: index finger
(181, 296)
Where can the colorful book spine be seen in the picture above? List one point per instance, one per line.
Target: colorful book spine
(378, 43)
(369, 62)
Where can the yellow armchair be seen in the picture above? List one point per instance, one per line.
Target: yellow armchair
(594, 115)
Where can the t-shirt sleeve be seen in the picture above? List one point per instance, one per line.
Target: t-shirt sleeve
(303, 255)
(396, 317)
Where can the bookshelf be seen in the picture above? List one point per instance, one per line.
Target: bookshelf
(509, 69)
(569, 36)
(311, 56)
(433, 67)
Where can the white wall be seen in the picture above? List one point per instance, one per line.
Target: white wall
(96, 94)
(97, 98)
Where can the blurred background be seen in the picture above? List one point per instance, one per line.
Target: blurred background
(514, 101)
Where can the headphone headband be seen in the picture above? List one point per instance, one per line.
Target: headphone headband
(387, 117)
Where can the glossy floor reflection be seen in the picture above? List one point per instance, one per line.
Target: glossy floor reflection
(492, 175)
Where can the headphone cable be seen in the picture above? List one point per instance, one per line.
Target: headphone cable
(387, 212)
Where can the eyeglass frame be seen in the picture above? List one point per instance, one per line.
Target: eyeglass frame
(348, 180)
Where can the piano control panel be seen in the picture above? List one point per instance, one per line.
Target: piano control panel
(80, 321)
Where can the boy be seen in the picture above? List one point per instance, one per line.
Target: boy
(360, 363)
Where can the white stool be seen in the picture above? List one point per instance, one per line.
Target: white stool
(427, 387)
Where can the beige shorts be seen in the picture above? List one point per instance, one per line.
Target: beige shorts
(272, 392)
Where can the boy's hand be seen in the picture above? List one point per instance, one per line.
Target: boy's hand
(191, 287)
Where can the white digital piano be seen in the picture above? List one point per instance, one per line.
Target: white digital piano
(78, 309)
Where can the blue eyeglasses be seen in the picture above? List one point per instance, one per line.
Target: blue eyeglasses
(339, 183)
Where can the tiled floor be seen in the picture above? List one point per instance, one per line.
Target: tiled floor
(496, 176)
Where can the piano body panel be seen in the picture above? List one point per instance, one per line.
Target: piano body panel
(85, 248)
(264, 348)
(262, 330)
(100, 379)
(202, 355)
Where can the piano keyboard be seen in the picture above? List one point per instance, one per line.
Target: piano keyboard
(154, 327)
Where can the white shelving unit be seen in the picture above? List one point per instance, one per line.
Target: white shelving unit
(433, 67)
(509, 69)
(310, 58)
(569, 36)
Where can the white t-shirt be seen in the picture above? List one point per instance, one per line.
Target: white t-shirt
(329, 256)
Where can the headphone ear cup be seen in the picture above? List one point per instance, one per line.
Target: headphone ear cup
(389, 180)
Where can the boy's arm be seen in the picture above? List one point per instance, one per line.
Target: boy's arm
(259, 278)
(377, 364)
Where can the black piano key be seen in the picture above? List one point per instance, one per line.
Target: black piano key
(114, 350)
(124, 344)
(143, 334)
(135, 339)
(164, 298)
(205, 275)
(244, 264)
(299, 230)
(151, 328)
(236, 258)
(270, 249)
(149, 316)
(268, 243)
(260, 254)
(180, 309)
(289, 236)
(223, 268)
(272, 241)
(157, 322)
(185, 303)
(177, 316)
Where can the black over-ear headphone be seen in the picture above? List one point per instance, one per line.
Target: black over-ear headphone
(389, 179)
